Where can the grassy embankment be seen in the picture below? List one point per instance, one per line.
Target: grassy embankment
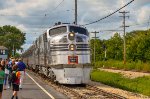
(136, 66)
(139, 85)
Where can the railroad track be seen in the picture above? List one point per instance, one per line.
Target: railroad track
(104, 93)
(82, 92)
(90, 92)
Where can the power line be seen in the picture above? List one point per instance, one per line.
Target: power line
(32, 15)
(21, 15)
(110, 30)
(109, 14)
(55, 8)
(58, 5)
(136, 24)
(44, 18)
(131, 25)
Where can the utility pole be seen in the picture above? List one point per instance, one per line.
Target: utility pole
(76, 12)
(124, 36)
(95, 37)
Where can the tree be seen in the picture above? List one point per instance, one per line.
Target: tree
(17, 55)
(99, 55)
(12, 38)
(139, 45)
(115, 47)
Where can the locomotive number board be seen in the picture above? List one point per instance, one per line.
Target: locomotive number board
(72, 59)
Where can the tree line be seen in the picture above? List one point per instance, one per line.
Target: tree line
(137, 47)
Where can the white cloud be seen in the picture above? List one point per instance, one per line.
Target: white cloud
(143, 14)
(22, 27)
(30, 14)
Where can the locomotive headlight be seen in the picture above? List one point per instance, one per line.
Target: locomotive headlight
(71, 36)
(72, 47)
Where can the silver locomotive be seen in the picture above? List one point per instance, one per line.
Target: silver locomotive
(62, 54)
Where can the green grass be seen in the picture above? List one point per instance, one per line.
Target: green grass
(139, 85)
(137, 66)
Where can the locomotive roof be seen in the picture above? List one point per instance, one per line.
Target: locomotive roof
(65, 25)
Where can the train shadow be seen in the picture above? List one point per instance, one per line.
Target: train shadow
(74, 85)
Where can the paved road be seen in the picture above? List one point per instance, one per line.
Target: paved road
(34, 88)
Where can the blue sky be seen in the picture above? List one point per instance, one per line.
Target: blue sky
(34, 16)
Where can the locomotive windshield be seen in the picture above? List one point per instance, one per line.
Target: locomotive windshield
(58, 30)
(78, 30)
